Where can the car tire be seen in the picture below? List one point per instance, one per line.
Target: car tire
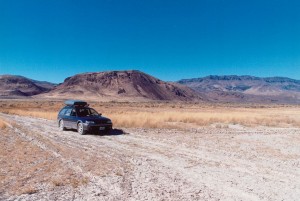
(80, 129)
(61, 125)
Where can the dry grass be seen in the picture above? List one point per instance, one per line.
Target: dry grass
(169, 115)
(37, 114)
(38, 109)
(173, 119)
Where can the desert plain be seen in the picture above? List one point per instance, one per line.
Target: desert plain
(156, 151)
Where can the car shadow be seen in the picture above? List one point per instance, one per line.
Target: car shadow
(114, 131)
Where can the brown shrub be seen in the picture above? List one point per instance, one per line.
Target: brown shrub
(3, 124)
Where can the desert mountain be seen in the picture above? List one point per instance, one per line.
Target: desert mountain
(235, 88)
(120, 85)
(12, 86)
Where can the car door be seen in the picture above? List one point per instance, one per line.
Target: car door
(66, 118)
(73, 119)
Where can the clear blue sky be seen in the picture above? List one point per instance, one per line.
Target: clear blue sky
(53, 39)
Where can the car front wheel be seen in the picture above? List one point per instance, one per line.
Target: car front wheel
(80, 129)
(61, 125)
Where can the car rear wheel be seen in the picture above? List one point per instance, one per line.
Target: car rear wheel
(62, 125)
(80, 129)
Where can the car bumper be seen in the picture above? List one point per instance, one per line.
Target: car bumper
(98, 127)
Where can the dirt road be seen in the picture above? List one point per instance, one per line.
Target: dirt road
(40, 163)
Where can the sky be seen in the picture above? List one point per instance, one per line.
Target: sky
(169, 39)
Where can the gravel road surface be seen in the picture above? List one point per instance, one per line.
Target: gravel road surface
(38, 162)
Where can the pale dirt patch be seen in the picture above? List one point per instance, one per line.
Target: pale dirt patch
(236, 163)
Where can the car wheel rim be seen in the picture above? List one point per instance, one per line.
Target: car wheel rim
(80, 128)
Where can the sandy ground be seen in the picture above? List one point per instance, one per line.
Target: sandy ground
(37, 162)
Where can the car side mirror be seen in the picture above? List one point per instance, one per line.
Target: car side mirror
(100, 114)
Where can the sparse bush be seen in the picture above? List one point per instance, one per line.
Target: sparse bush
(58, 182)
(29, 190)
(3, 124)
(76, 182)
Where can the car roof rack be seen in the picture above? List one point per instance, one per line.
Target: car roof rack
(78, 103)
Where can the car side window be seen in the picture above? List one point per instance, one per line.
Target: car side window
(68, 112)
(94, 112)
(82, 112)
(73, 112)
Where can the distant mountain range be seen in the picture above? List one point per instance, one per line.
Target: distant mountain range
(138, 86)
(233, 88)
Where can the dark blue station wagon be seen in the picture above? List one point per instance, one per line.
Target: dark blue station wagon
(77, 115)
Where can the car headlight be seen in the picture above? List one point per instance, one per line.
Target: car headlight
(89, 122)
(109, 122)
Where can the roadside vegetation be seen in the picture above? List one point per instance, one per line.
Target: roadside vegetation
(169, 115)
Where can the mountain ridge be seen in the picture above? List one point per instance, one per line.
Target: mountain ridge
(19, 86)
(124, 85)
(240, 77)
(246, 88)
(134, 85)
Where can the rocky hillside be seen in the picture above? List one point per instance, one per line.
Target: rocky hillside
(12, 86)
(246, 88)
(120, 85)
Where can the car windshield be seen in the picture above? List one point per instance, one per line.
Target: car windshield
(85, 112)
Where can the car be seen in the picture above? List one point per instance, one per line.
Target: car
(76, 114)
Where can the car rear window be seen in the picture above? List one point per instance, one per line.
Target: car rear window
(62, 112)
